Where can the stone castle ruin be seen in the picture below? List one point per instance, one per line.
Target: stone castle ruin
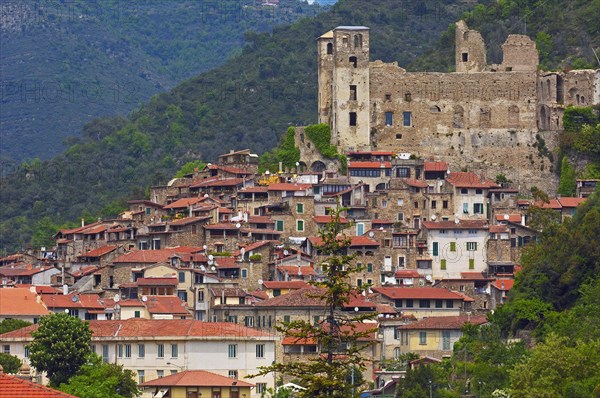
(502, 118)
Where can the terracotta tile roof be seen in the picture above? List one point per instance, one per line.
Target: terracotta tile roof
(294, 270)
(461, 179)
(20, 301)
(81, 301)
(503, 284)
(285, 284)
(228, 292)
(497, 229)
(570, 202)
(462, 224)
(96, 230)
(445, 322)
(516, 218)
(78, 229)
(407, 273)
(183, 203)
(290, 340)
(328, 219)
(411, 182)
(153, 281)
(464, 296)
(26, 270)
(354, 241)
(188, 220)
(386, 309)
(151, 328)
(230, 169)
(40, 289)
(14, 387)
(417, 293)
(258, 244)
(369, 165)
(226, 262)
(307, 297)
(259, 294)
(100, 251)
(253, 190)
(260, 220)
(436, 166)
(473, 276)
(552, 204)
(166, 305)
(284, 186)
(196, 378)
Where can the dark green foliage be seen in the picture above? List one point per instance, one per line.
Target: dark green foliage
(65, 63)
(97, 379)
(60, 347)
(567, 184)
(417, 382)
(189, 168)
(9, 363)
(286, 152)
(563, 31)
(8, 325)
(567, 256)
(320, 135)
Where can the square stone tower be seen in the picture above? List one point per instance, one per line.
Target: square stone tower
(344, 85)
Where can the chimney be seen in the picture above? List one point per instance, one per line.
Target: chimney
(523, 219)
(83, 222)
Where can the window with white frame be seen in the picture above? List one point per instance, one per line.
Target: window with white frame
(160, 350)
(260, 351)
(174, 350)
(232, 351)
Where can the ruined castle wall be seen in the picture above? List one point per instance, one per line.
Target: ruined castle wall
(477, 121)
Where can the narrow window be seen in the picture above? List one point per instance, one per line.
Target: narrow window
(471, 263)
(443, 264)
(141, 350)
(352, 92)
(300, 225)
(407, 119)
(299, 208)
(465, 57)
(329, 48)
(452, 246)
(160, 350)
(260, 351)
(435, 249)
(174, 350)
(141, 376)
(422, 338)
(232, 351)
(389, 118)
(354, 61)
(352, 118)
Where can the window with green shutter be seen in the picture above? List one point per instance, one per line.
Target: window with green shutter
(443, 264)
(300, 208)
(279, 225)
(435, 248)
(471, 263)
(369, 267)
(452, 246)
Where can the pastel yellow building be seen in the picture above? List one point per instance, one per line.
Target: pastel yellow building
(196, 384)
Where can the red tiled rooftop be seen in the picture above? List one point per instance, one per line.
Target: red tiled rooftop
(218, 182)
(150, 328)
(570, 202)
(166, 305)
(285, 284)
(354, 241)
(411, 182)
(100, 251)
(407, 273)
(328, 219)
(436, 166)
(462, 179)
(20, 301)
(284, 186)
(154, 256)
(294, 270)
(188, 220)
(72, 301)
(14, 387)
(514, 218)
(183, 203)
(503, 284)
(196, 378)
(498, 229)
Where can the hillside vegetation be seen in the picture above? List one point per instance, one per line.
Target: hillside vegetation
(65, 63)
(247, 103)
(564, 31)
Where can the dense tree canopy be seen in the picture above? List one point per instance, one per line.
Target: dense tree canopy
(61, 345)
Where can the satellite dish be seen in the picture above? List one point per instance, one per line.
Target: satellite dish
(456, 221)
(117, 298)
(206, 195)
(371, 234)
(433, 217)
(260, 281)
(506, 217)
(211, 257)
(238, 225)
(428, 278)
(144, 299)
(205, 247)
(74, 299)
(213, 268)
(356, 309)
(285, 252)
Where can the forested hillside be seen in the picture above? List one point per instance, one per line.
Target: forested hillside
(564, 31)
(248, 102)
(65, 63)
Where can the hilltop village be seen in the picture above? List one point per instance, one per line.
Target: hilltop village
(197, 276)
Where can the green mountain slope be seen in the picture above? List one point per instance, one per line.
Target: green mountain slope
(65, 63)
(248, 102)
(565, 33)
